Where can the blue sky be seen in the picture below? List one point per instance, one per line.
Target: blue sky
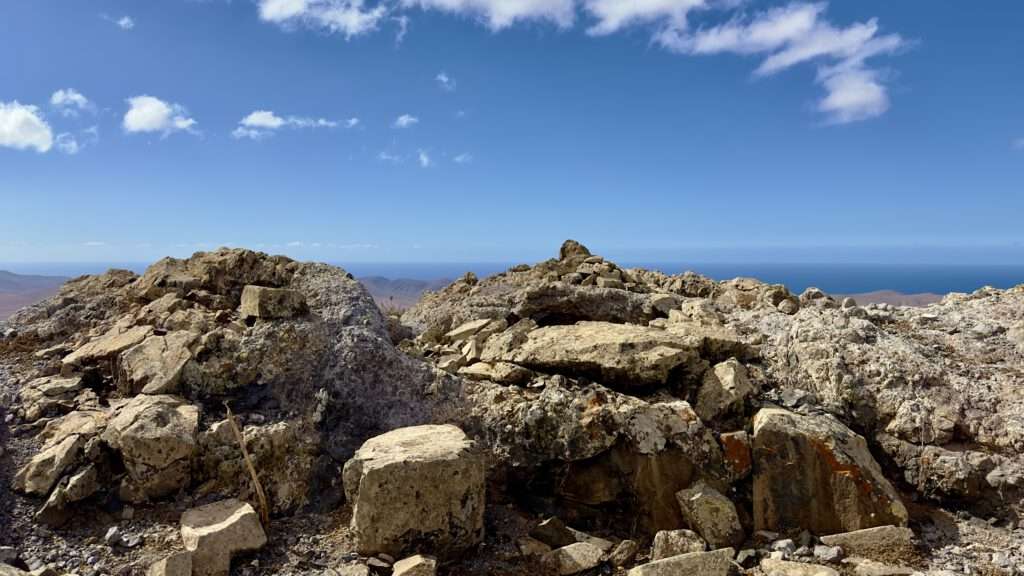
(490, 130)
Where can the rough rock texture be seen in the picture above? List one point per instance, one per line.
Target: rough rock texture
(675, 542)
(712, 515)
(715, 563)
(654, 396)
(802, 459)
(268, 303)
(216, 532)
(420, 487)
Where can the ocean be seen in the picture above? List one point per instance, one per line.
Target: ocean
(834, 278)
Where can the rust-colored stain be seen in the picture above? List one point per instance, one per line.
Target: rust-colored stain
(851, 471)
(737, 454)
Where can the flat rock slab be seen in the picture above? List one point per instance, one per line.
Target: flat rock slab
(622, 354)
(876, 543)
(772, 567)
(716, 563)
(45, 469)
(418, 565)
(216, 532)
(669, 543)
(814, 473)
(416, 488)
(574, 558)
(112, 343)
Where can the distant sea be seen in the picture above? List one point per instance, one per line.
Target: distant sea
(835, 278)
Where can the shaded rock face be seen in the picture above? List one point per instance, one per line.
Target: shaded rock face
(801, 460)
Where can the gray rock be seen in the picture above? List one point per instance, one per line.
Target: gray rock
(716, 563)
(574, 558)
(214, 533)
(675, 542)
(712, 515)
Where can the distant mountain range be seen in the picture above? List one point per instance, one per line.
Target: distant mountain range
(400, 292)
(19, 290)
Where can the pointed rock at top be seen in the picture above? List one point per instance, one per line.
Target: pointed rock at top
(572, 248)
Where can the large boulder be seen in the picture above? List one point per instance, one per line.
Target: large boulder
(420, 487)
(155, 365)
(156, 437)
(46, 468)
(614, 354)
(801, 459)
(214, 533)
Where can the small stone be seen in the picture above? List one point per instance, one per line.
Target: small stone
(874, 543)
(529, 546)
(786, 546)
(215, 532)
(177, 564)
(574, 558)
(113, 536)
(554, 533)
(417, 565)
(784, 568)
(825, 553)
(712, 515)
(675, 542)
(623, 553)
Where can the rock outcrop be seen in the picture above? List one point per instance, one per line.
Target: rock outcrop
(670, 420)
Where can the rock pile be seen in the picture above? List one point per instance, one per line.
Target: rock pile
(571, 417)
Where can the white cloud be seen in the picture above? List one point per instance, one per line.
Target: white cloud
(70, 102)
(386, 156)
(403, 28)
(262, 123)
(796, 34)
(126, 22)
(23, 127)
(352, 122)
(424, 159)
(71, 144)
(498, 14)
(149, 114)
(613, 15)
(464, 158)
(446, 82)
(348, 17)
(405, 121)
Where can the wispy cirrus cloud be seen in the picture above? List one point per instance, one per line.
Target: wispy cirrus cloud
(405, 121)
(70, 102)
(348, 17)
(445, 82)
(263, 123)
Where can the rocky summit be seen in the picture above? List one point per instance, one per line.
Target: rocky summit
(240, 413)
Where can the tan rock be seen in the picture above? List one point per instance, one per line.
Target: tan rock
(624, 553)
(417, 565)
(836, 472)
(467, 329)
(269, 303)
(574, 558)
(877, 543)
(716, 563)
(498, 372)
(712, 515)
(675, 542)
(116, 340)
(154, 366)
(156, 436)
(624, 354)
(177, 564)
(725, 388)
(45, 468)
(773, 567)
(419, 487)
(216, 532)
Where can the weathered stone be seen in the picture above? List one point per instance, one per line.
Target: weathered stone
(115, 341)
(572, 249)
(837, 473)
(8, 570)
(529, 546)
(419, 487)
(467, 329)
(624, 553)
(712, 515)
(154, 366)
(866, 567)
(214, 533)
(772, 567)
(725, 388)
(716, 563)
(49, 396)
(177, 564)
(498, 372)
(876, 543)
(675, 542)
(554, 533)
(736, 453)
(574, 558)
(417, 565)
(611, 353)
(156, 436)
(45, 469)
(83, 484)
(270, 303)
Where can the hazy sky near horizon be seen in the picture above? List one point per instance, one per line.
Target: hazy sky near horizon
(490, 130)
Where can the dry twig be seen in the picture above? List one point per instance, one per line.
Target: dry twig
(260, 495)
